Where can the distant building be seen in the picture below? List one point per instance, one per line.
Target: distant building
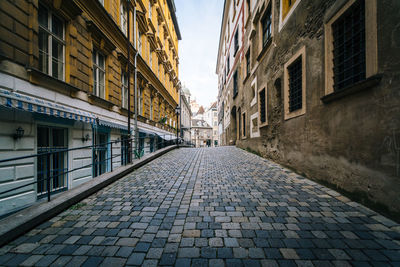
(186, 115)
(211, 117)
(201, 133)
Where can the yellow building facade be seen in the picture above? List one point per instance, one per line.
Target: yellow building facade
(64, 84)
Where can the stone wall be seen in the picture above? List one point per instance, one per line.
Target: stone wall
(352, 142)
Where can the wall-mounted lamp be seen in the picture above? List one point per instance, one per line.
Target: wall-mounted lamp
(85, 138)
(19, 133)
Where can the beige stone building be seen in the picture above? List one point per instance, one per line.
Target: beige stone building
(312, 85)
(201, 133)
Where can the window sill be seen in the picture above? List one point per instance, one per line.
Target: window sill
(265, 49)
(93, 99)
(43, 79)
(353, 89)
(246, 78)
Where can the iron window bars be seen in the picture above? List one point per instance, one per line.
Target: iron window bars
(295, 85)
(349, 46)
(262, 106)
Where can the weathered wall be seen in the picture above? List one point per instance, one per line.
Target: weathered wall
(349, 142)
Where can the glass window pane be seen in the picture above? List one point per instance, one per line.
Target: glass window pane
(43, 16)
(57, 50)
(56, 67)
(57, 27)
(101, 84)
(101, 61)
(43, 51)
(43, 137)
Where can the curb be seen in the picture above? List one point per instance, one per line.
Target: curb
(21, 222)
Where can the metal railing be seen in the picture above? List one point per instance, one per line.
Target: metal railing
(52, 173)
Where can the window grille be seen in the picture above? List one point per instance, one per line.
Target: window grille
(349, 46)
(262, 106)
(295, 85)
(51, 166)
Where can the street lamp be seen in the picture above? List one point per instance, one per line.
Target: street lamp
(177, 112)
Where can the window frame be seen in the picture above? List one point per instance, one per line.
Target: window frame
(244, 119)
(236, 41)
(287, 114)
(264, 20)
(371, 42)
(262, 123)
(283, 21)
(124, 90)
(123, 18)
(96, 69)
(235, 84)
(248, 62)
(50, 35)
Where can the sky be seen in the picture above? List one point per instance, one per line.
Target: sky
(199, 22)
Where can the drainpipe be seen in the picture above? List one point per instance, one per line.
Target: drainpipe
(129, 80)
(136, 99)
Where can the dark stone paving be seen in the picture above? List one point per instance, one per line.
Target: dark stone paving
(211, 207)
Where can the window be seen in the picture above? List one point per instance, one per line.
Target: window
(286, 6)
(98, 74)
(51, 166)
(124, 89)
(227, 66)
(349, 46)
(294, 85)
(124, 18)
(51, 43)
(236, 41)
(244, 124)
(139, 46)
(266, 26)
(248, 63)
(100, 151)
(150, 58)
(140, 102)
(149, 9)
(151, 108)
(235, 84)
(263, 107)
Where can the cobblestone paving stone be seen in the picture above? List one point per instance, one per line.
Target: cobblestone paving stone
(212, 206)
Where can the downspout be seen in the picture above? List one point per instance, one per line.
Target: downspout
(135, 99)
(129, 82)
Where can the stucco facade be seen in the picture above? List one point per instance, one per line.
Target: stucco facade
(345, 136)
(64, 83)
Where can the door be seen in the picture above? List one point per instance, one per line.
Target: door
(100, 153)
(52, 166)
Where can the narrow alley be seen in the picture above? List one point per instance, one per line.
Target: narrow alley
(211, 207)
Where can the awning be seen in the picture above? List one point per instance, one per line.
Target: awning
(31, 104)
(113, 125)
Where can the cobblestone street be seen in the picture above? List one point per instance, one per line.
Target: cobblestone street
(211, 206)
